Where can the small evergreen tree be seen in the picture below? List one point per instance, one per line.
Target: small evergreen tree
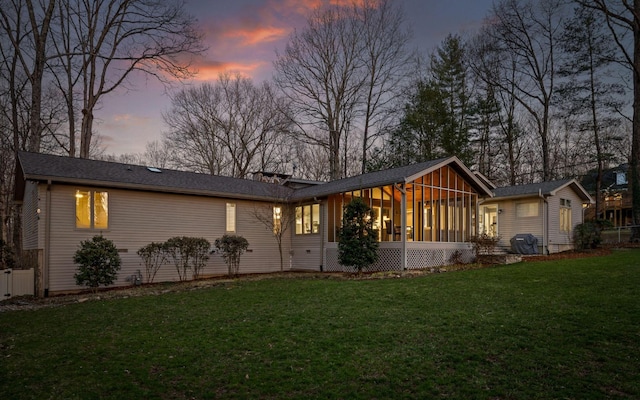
(98, 262)
(232, 247)
(358, 240)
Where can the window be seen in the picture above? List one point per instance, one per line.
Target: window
(92, 209)
(277, 220)
(524, 210)
(565, 215)
(231, 217)
(307, 219)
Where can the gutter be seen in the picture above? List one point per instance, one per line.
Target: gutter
(154, 188)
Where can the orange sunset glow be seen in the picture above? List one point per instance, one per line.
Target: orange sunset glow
(243, 37)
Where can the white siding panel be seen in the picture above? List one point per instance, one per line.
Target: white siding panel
(138, 218)
(509, 224)
(557, 237)
(30, 217)
(306, 251)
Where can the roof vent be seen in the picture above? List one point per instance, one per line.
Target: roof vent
(153, 169)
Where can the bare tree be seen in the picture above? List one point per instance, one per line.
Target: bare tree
(103, 42)
(590, 98)
(623, 17)
(26, 26)
(320, 71)
(524, 33)
(386, 61)
(277, 217)
(227, 128)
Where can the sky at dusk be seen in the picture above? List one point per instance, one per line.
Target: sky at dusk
(243, 36)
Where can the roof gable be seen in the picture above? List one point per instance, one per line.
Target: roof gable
(391, 176)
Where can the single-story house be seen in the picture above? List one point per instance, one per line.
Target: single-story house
(548, 210)
(424, 213)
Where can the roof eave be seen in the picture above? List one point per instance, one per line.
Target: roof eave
(150, 188)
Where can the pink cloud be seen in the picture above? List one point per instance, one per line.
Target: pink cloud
(210, 70)
(256, 36)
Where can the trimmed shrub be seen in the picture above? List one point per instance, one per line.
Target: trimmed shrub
(188, 253)
(98, 262)
(199, 248)
(154, 255)
(232, 247)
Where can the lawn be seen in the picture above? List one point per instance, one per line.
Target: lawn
(567, 329)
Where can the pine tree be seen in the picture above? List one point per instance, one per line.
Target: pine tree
(358, 240)
(449, 73)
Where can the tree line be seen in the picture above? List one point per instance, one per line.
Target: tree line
(544, 90)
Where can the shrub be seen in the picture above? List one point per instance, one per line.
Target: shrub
(7, 256)
(98, 262)
(179, 254)
(484, 244)
(153, 255)
(188, 253)
(588, 235)
(199, 248)
(358, 240)
(232, 247)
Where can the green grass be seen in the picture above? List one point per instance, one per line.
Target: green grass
(565, 330)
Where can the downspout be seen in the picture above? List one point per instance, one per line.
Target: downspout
(47, 239)
(325, 219)
(545, 223)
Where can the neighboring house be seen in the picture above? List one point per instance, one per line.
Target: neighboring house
(548, 210)
(616, 204)
(424, 213)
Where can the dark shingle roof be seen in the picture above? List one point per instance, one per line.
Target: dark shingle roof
(387, 177)
(544, 188)
(43, 167)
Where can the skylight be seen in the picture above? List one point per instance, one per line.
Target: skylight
(153, 169)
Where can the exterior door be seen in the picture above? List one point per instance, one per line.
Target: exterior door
(489, 220)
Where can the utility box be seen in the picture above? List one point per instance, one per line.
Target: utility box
(524, 243)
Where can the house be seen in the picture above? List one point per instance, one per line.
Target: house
(424, 213)
(549, 211)
(616, 197)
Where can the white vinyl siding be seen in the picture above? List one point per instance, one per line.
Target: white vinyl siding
(33, 211)
(137, 218)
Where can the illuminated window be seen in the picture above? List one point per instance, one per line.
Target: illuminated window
(565, 215)
(92, 209)
(308, 219)
(231, 217)
(277, 220)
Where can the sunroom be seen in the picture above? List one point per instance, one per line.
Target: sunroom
(424, 213)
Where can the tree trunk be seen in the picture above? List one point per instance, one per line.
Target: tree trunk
(635, 143)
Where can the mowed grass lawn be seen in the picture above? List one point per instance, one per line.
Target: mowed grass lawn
(558, 329)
